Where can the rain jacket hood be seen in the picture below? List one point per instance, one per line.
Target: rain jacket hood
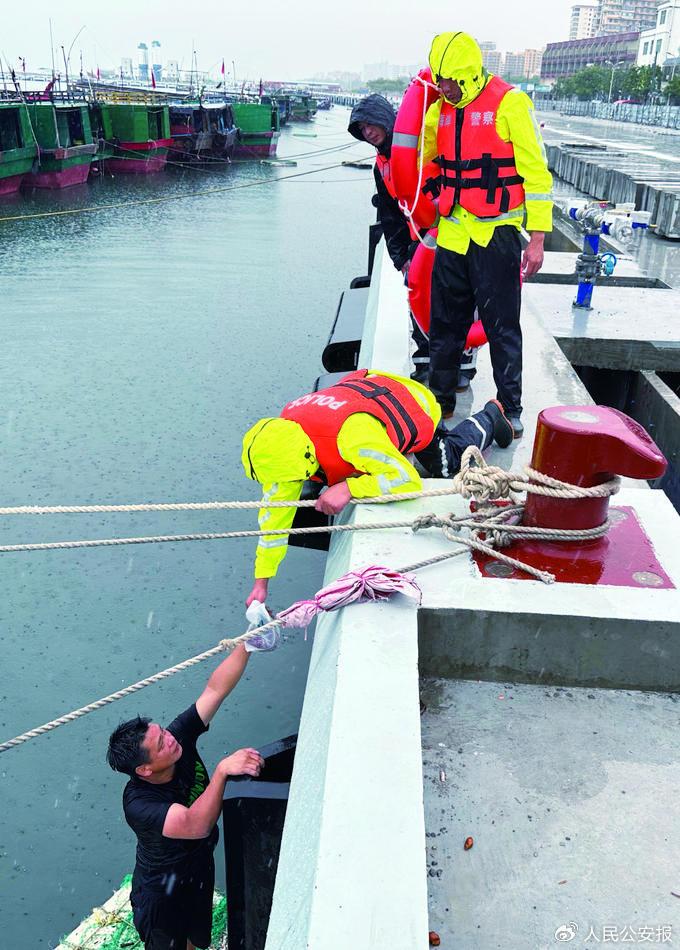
(373, 110)
(457, 56)
(278, 450)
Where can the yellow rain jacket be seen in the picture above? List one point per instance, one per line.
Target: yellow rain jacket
(457, 56)
(362, 441)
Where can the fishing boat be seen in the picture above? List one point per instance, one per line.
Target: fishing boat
(200, 130)
(66, 145)
(18, 148)
(133, 137)
(259, 128)
(302, 108)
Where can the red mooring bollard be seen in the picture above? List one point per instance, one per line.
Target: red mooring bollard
(587, 445)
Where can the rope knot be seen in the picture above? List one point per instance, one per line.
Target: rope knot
(430, 520)
(477, 479)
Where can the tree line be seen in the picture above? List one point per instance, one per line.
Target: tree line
(639, 83)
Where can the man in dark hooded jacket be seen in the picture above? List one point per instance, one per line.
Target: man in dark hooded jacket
(372, 120)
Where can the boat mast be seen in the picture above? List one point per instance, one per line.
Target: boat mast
(52, 50)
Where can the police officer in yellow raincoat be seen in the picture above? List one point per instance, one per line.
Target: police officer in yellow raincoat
(355, 437)
(483, 135)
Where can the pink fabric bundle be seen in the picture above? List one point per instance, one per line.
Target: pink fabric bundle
(373, 583)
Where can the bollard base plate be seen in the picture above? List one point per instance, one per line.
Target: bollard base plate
(625, 557)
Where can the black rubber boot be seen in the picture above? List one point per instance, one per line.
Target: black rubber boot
(517, 427)
(503, 432)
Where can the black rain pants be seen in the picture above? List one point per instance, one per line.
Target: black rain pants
(487, 278)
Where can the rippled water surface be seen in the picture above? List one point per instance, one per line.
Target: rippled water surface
(138, 344)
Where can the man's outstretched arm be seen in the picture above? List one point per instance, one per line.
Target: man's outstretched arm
(221, 683)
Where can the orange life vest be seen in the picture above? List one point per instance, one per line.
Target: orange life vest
(322, 415)
(385, 168)
(477, 167)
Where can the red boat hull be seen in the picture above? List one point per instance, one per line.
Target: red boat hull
(153, 156)
(73, 175)
(9, 185)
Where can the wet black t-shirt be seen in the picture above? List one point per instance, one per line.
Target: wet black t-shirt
(146, 807)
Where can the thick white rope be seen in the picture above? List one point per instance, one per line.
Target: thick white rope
(476, 479)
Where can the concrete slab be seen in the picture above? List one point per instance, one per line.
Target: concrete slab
(628, 328)
(571, 799)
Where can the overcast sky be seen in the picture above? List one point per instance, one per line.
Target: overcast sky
(288, 39)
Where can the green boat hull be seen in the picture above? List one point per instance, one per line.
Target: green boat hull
(66, 144)
(18, 150)
(258, 125)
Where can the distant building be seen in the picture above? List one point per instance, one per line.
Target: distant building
(626, 16)
(514, 65)
(487, 46)
(156, 62)
(584, 21)
(493, 60)
(663, 41)
(126, 66)
(533, 59)
(566, 58)
(172, 69)
(143, 62)
(382, 70)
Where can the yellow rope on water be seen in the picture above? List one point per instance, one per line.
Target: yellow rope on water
(148, 201)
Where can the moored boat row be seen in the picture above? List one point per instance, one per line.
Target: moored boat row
(50, 142)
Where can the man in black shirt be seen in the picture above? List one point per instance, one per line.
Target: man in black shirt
(172, 806)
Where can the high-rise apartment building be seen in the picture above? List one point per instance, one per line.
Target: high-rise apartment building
(584, 20)
(514, 65)
(626, 16)
(493, 60)
(533, 59)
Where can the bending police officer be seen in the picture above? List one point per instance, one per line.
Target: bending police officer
(355, 436)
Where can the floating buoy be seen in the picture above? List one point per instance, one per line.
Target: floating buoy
(277, 161)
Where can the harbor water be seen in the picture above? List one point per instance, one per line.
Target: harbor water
(139, 343)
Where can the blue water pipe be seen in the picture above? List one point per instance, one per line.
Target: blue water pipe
(590, 262)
